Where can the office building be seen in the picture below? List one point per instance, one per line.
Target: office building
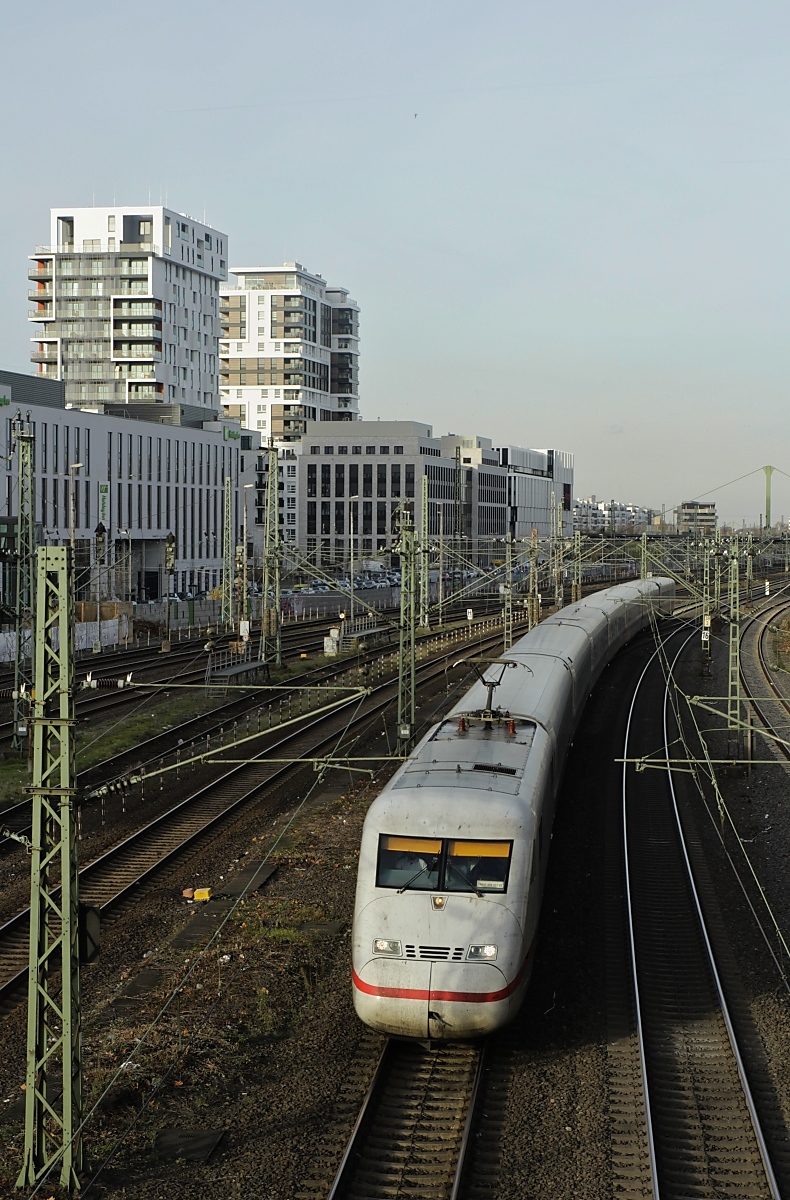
(127, 301)
(342, 481)
(696, 517)
(289, 351)
(140, 479)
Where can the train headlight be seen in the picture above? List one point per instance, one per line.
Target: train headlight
(482, 953)
(384, 946)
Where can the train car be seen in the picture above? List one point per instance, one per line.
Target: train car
(454, 850)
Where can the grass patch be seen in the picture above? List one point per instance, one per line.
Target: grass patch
(100, 740)
(14, 778)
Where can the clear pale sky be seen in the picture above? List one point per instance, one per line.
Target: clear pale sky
(566, 224)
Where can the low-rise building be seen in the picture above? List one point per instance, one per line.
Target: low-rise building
(611, 516)
(344, 482)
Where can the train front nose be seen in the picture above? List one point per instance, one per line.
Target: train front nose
(393, 996)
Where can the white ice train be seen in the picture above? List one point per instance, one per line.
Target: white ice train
(454, 850)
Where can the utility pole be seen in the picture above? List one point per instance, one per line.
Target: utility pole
(749, 567)
(271, 645)
(734, 669)
(54, 1043)
(100, 556)
(718, 554)
(457, 512)
(441, 564)
(227, 554)
(406, 633)
(425, 597)
(559, 559)
(643, 562)
(533, 597)
(576, 587)
(25, 600)
(507, 595)
(170, 566)
(706, 617)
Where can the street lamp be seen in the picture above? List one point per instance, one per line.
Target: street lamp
(72, 514)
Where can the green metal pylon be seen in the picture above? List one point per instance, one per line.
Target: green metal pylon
(53, 1096)
(734, 669)
(228, 542)
(749, 567)
(507, 595)
(533, 596)
(559, 560)
(706, 614)
(407, 710)
(718, 554)
(576, 586)
(271, 636)
(424, 557)
(23, 439)
(643, 559)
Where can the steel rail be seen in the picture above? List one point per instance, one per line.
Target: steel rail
(414, 1125)
(632, 935)
(651, 1067)
(758, 1133)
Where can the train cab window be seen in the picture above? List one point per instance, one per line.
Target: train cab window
(477, 866)
(444, 864)
(408, 862)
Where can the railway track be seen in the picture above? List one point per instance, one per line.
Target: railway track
(704, 1132)
(121, 873)
(411, 1135)
(756, 674)
(213, 723)
(168, 668)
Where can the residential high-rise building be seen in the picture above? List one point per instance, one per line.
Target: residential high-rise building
(128, 304)
(289, 350)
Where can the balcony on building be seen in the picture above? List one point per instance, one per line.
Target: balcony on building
(40, 270)
(47, 352)
(145, 351)
(139, 248)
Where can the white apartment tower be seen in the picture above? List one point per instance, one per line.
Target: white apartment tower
(289, 351)
(127, 300)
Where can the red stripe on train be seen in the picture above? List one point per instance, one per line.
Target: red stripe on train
(394, 993)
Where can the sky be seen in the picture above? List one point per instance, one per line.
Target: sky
(565, 224)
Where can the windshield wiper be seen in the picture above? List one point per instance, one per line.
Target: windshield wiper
(463, 875)
(409, 882)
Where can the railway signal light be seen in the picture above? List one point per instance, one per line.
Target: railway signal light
(100, 533)
(170, 553)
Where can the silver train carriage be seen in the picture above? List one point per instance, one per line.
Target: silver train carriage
(454, 851)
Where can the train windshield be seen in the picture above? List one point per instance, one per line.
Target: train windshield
(407, 862)
(477, 866)
(442, 864)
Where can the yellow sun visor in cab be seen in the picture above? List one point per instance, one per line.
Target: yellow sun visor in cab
(480, 849)
(413, 845)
